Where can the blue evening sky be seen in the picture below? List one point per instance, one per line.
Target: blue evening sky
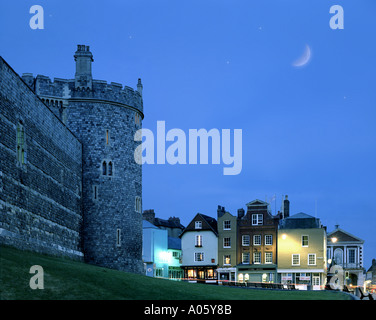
(307, 132)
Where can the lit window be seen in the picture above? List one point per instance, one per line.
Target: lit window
(199, 256)
(198, 241)
(226, 259)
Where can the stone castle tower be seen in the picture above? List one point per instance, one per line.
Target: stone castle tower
(104, 118)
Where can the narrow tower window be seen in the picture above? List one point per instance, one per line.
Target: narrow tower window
(138, 204)
(107, 137)
(21, 143)
(110, 168)
(118, 237)
(95, 192)
(104, 168)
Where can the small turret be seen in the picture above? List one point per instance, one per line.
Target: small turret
(83, 76)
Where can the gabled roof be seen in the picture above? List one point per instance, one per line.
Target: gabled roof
(208, 223)
(257, 202)
(343, 236)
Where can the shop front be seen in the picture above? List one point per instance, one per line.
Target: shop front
(204, 274)
(262, 273)
(226, 274)
(304, 280)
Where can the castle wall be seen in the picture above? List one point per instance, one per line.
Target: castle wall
(76, 189)
(40, 199)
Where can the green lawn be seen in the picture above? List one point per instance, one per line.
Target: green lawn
(67, 279)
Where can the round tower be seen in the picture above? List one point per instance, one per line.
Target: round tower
(105, 118)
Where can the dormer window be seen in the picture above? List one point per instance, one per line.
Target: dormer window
(198, 225)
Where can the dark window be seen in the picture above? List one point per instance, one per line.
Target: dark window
(21, 143)
(110, 168)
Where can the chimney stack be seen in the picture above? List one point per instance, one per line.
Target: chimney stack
(149, 215)
(83, 58)
(220, 211)
(286, 207)
(240, 213)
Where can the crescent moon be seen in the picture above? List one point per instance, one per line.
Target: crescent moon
(304, 59)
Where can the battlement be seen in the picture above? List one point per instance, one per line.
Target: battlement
(101, 90)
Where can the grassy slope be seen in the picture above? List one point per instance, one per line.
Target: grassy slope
(67, 279)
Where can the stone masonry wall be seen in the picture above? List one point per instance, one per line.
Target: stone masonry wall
(113, 205)
(40, 200)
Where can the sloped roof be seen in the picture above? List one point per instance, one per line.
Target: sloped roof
(148, 225)
(257, 202)
(300, 215)
(300, 220)
(167, 223)
(343, 236)
(174, 243)
(209, 223)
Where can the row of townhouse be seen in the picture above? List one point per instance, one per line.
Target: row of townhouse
(256, 246)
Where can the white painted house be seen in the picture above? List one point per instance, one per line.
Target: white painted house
(199, 244)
